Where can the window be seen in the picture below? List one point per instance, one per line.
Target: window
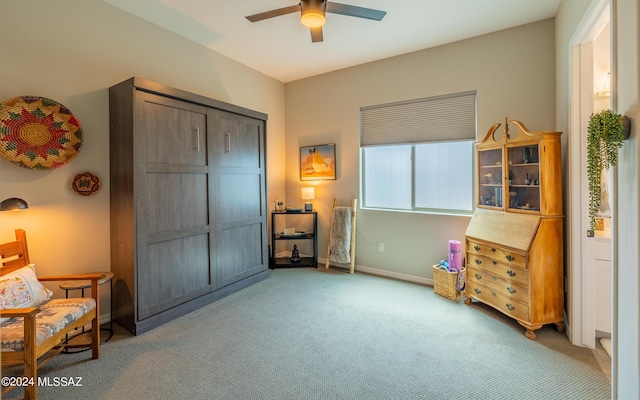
(418, 155)
(387, 177)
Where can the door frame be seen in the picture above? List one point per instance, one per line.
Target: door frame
(581, 307)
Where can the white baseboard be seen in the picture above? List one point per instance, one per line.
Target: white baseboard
(387, 274)
(104, 318)
(373, 271)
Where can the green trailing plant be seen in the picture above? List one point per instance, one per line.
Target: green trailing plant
(605, 137)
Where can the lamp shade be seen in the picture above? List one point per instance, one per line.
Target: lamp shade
(308, 193)
(13, 204)
(312, 13)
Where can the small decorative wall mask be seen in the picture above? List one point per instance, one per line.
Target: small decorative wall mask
(38, 133)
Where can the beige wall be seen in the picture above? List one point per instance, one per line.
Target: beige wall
(72, 51)
(513, 73)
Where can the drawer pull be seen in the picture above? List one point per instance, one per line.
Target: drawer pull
(494, 262)
(511, 290)
(495, 278)
(511, 273)
(510, 307)
(494, 250)
(510, 257)
(478, 291)
(493, 293)
(476, 247)
(478, 276)
(478, 261)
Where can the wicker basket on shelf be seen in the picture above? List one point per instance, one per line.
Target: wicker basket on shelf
(445, 283)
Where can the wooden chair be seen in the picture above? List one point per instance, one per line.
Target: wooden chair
(352, 239)
(36, 350)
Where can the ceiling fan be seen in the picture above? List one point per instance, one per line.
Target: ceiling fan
(312, 14)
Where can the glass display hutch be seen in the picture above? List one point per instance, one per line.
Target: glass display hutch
(517, 174)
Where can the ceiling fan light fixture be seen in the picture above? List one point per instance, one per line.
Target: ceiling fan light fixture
(312, 13)
(312, 19)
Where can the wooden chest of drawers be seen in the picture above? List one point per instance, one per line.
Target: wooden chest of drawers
(514, 264)
(499, 277)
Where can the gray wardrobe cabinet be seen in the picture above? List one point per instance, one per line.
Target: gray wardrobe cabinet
(188, 210)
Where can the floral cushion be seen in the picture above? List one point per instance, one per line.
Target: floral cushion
(54, 315)
(21, 289)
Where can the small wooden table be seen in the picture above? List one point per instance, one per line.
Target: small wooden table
(107, 277)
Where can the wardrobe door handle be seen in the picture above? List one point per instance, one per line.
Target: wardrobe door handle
(196, 145)
(227, 143)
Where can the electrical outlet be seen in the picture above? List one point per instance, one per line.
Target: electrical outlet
(381, 247)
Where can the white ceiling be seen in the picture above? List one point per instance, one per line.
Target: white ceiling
(281, 47)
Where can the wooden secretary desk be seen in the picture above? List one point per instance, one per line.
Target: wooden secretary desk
(514, 250)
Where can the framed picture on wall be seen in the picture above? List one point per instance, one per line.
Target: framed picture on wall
(318, 162)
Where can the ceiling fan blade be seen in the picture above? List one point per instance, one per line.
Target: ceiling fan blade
(354, 11)
(273, 13)
(316, 34)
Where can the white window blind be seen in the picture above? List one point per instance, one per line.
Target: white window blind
(441, 118)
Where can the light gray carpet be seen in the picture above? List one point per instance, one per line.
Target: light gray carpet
(313, 334)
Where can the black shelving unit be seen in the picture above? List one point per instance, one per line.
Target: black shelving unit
(276, 235)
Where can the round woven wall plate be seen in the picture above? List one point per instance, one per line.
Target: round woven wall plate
(38, 133)
(85, 183)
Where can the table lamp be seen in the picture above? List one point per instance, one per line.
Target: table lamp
(308, 193)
